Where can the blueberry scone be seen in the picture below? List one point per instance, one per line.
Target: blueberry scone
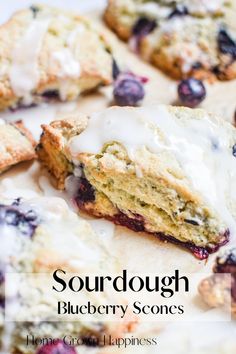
(39, 236)
(49, 54)
(183, 38)
(164, 170)
(219, 290)
(17, 144)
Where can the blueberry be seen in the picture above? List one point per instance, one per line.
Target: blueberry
(2, 301)
(25, 228)
(31, 215)
(128, 90)
(17, 202)
(143, 27)
(115, 69)
(180, 10)
(86, 192)
(191, 92)
(234, 150)
(58, 347)
(13, 216)
(226, 263)
(51, 94)
(226, 44)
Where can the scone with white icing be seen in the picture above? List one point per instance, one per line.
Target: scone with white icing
(17, 144)
(48, 54)
(169, 171)
(183, 38)
(39, 236)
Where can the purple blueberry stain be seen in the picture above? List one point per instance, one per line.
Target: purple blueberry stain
(191, 92)
(2, 301)
(115, 69)
(2, 278)
(226, 44)
(85, 193)
(25, 222)
(51, 95)
(143, 26)
(180, 10)
(234, 150)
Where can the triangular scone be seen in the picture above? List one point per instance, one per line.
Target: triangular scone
(46, 54)
(184, 38)
(39, 236)
(164, 170)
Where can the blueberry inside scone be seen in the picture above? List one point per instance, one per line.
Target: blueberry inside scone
(40, 236)
(182, 38)
(49, 54)
(163, 170)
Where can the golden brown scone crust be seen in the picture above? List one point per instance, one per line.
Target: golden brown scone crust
(180, 45)
(73, 57)
(17, 145)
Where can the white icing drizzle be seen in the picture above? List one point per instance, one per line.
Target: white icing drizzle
(68, 63)
(200, 146)
(24, 72)
(69, 66)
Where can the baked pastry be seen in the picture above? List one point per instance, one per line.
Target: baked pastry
(49, 54)
(219, 290)
(17, 144)
(160, 169)
(39, 236)
(183, 38)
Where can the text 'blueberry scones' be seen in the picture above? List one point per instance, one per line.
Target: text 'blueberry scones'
(48, 54)
(183, 38)
(39, 236)
(165, 170)
(17, 144)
